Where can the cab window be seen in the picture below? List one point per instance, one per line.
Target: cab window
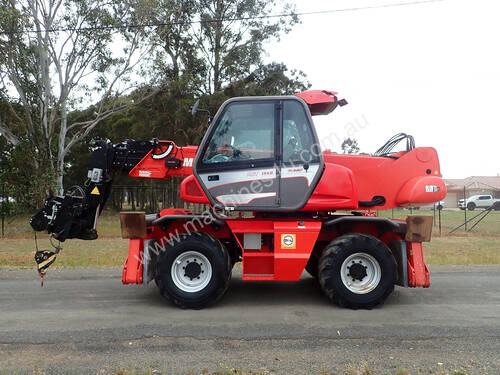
(298, 141)
(245, 132)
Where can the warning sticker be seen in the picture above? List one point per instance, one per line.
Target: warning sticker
(95, 191)
(288, 241)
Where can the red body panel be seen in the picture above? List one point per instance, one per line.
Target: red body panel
(191, 191)
(289, 261)
(155, 168)
(402, 181)
(321, 102)
(335, 190)
(278, 261)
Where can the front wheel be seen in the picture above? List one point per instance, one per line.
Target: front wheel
(194, 272)
(357, 271)
(471, 206)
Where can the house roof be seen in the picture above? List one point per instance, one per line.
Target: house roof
(473, 182)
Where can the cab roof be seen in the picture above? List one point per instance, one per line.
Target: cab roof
(321, 102)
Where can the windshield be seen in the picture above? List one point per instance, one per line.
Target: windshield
(244, 132)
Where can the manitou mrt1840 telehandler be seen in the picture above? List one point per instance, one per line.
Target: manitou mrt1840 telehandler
(262, 155)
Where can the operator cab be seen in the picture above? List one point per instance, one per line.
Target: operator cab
(260, 153)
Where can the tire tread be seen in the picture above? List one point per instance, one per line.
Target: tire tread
(211, 299)
(333, 253)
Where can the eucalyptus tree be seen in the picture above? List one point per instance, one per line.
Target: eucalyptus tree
(60, 55)
(231, 36)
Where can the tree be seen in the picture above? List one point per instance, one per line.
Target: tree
(350, 146)
(59, 82)
(231, 35)
(213, 49)
(56, 55)
(269, 79)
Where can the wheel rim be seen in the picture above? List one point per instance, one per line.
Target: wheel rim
(360, 273)
(191, 271)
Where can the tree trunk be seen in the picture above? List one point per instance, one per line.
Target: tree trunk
(61, 152)
(217, 49)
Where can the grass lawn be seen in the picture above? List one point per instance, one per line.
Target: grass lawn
(451, 219)
(481, 246)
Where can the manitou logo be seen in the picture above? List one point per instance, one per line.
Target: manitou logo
(188, 162)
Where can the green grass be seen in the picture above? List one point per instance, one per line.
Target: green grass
(18, 226)
(451, 219)
(479, 246)
(105, 252)
(465, 250)
(482, 246)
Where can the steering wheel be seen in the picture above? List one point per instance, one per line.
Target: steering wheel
(219, 158)
(236, 153)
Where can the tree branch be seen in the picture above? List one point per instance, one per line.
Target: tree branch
(6, 132)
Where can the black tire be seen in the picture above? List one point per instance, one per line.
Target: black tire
(217, 284)
(330, 266)
(439, 207)
(471, 206)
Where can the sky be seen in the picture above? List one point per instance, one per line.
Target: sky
(430, 70)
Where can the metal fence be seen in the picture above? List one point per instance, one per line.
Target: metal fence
(155, 196)
(151, 199)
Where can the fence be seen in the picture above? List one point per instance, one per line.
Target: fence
(482, 220)
(155, 196)
(151, 199)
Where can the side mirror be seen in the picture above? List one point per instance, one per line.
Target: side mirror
(194, 108)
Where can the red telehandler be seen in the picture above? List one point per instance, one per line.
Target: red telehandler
(262, 155)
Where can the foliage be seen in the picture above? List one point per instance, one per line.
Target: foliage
(350, 146)
(54, 60)
(53, 118)
(234, 48)
(20, 180)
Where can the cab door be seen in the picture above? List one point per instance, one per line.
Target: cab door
(301, 162)
(237, 164)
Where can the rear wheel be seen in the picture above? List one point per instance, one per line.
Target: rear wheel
(357, 271)
(194, 272)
